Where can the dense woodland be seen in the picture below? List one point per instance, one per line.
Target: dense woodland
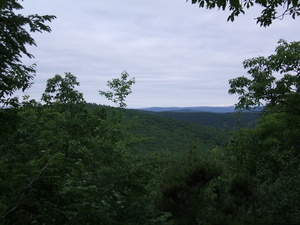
(218, 120)
(64, 161)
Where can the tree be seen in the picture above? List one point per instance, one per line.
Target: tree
(61, 90)
(264, 87)
(120, 89)
(13, 41)
(269, 8)
(74, 167)
(268, 155)
(265, 160)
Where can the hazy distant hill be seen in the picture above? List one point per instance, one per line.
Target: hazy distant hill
(225, 109)
(212, 119)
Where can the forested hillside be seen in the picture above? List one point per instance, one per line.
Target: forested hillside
(63, 161)
(218, 120)
(160, 132)
(224, 109)
(173, 134)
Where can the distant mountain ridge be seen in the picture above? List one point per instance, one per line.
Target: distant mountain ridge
(215, 109)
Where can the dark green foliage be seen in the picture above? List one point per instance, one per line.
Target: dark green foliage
(258, 178)
(183, 184)
(269, 155)
(14, 39)
(60, 167)
(269, 11)
(171, 134)
(261, 183)
(68, 162)
(218, 120)
(65, 163)
(79, 165)
(264, 87)
(61, 90)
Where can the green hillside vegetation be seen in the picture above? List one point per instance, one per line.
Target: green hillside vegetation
(173, 134)
(162, 133)
(217, 120)
(63, 161)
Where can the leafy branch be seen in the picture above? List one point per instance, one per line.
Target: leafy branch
(121, 87)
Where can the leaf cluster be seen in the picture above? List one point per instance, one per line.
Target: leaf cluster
(265, 87)
(62, 90)
(121, 88)
(269, 8)
(13, 41)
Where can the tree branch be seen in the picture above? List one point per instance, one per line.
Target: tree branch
(24, 192)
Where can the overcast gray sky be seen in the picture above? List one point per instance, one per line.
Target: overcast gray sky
(180, 55)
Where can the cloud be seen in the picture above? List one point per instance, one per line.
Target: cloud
(179, 54)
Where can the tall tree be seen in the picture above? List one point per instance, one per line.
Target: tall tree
(14, 38)
(73, 165)
(265, 85)
(265, 160)
(121, 88)
(61, 90)
(271, 9)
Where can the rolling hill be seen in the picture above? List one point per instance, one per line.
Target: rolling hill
(176, 131)
(218, 120)
(225, 109)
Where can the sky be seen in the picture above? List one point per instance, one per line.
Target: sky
(179, 54)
